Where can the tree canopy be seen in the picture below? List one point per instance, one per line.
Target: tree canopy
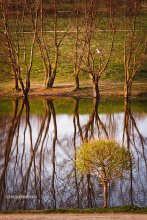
(105, 158)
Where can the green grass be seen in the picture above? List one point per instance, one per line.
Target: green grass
(121, 209)
(102, 40)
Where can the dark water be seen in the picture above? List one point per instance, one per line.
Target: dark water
(38, 142)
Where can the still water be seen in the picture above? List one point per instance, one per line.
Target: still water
(38, 142)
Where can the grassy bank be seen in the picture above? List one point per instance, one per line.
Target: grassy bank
(121, 209)
(65, 72)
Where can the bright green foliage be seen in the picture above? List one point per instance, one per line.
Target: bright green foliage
(105, 158)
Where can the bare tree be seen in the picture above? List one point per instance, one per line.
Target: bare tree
(13, 43)
(79, 43)
(94, 62)
(49, 56)
(134, 45)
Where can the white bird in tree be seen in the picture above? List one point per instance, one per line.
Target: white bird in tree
(98, 51)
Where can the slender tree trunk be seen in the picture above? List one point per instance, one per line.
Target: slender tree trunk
(127, 90)
(46, 81)
(96, 93)
(89, 192)
(77, 83)
(16, 86)
(27, 89)
(105, 186)
(77, 60)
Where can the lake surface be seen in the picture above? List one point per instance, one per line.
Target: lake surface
(38, 142)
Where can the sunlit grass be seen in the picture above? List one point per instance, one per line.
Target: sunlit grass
(65, 72)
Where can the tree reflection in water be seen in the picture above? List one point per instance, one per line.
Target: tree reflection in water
(38, 151)
(134, 141)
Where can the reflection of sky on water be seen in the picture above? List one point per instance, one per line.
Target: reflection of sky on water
(65, 125)
(64, 176)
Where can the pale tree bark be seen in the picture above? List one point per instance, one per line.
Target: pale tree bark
(105, 189)
(104, 182)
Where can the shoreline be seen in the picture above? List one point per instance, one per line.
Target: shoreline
(107, 89)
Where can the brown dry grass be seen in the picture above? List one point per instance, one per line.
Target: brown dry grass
(107, 89)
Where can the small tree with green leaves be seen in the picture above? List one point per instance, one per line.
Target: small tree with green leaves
(105, 158)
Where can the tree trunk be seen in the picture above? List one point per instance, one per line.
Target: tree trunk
(49, 82)
(27, 89)
(27, 84)
(105, 185)
(89, 191)
(22, 86)
(16, 81)
(46, 82)
(16, 84)
(127, 90)
(25, 94)
(96, 93)
(77, 84)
